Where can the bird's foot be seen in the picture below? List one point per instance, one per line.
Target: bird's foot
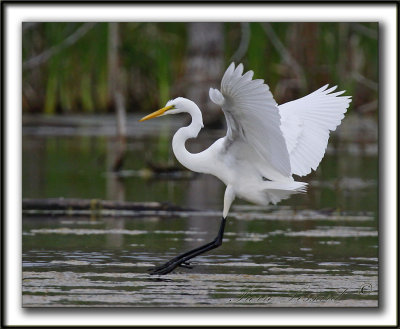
(168, 267)
(186, 265)
(182, 260)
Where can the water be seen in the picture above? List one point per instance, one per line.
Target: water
(318, 249)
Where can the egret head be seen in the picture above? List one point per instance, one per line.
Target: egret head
(174, 106)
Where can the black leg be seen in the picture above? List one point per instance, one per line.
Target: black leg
(182, 259)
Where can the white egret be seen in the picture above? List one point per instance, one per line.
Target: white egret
(264, 146)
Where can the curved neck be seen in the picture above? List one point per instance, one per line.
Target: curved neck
(192, 161)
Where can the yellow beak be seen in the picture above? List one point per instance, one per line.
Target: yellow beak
(156, 113)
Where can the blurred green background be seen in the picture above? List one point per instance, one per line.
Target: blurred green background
(77, 67)
(77, 75)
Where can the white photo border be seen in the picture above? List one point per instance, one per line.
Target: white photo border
(15, 13)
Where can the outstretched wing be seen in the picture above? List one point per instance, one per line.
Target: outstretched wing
(306, 123)
(252, 116)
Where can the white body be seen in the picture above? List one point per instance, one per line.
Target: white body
(265, 143)
(231, 165)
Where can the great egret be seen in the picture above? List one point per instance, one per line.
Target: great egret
(264, 146)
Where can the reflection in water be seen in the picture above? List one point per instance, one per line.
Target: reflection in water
(115, 191)
(115, 240)
(317, 249)
(34, 167)
(311, 262)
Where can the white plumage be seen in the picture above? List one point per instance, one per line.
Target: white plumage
(264, 146)
(306, 123)
(265, 143)
(252, 117)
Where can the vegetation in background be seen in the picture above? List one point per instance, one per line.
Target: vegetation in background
(65, 64)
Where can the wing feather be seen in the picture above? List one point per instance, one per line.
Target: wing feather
(252, 116)
(306, 123)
